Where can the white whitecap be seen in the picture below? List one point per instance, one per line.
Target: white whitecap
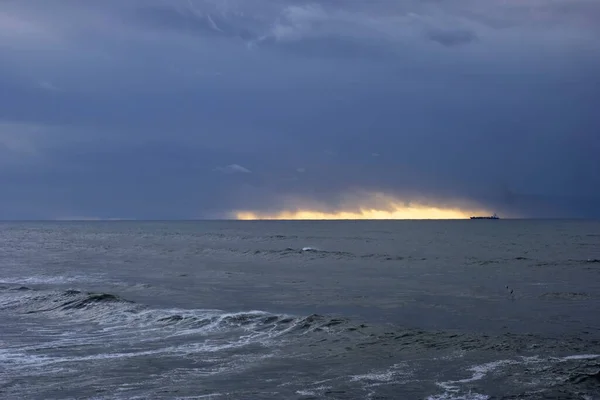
(395, 373)
(50, 279)
(450, 396)
(452, 388)
(312, 392)
(580, 357)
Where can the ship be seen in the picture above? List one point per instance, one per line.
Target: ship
(486, 217)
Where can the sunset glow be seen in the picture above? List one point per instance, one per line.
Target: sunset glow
(392, 210)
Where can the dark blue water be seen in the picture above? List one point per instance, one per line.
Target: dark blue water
(300, 310)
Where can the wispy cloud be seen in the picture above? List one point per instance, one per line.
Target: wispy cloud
(233, 169)
(46, 85)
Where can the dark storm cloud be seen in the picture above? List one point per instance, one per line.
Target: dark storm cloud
(159, 109)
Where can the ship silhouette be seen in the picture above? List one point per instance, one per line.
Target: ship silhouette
(486, 217)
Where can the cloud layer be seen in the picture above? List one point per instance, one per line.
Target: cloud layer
(198, 108)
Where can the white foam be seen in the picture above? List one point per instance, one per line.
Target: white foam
(323, 381)
(452, 388)
(19, 360)
(390, 375)
(580, 357)
(381, 377)
(449, 396)
(482, 370)
(50, 279)
(310, 249)
(312, 392)
(479, 371)
(453, 356)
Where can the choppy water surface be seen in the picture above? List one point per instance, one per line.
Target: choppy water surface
(300, 310)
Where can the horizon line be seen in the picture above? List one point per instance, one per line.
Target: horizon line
(277, 220)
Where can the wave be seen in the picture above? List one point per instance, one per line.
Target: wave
(106, 308)
(111, 309)
(583, 375)
(209, 342)
(52, 279)
(316, 253)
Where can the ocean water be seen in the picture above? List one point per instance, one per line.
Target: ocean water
(435, 310)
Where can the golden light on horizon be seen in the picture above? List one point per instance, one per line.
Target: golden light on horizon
(392, 210)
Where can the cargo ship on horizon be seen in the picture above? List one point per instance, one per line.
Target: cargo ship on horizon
(486, 217)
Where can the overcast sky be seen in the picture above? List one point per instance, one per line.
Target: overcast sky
(197, 108)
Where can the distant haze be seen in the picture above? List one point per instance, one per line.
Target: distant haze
(282, 108)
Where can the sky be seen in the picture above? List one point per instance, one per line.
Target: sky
(177, 109)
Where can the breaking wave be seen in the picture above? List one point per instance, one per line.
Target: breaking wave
(106, 308)
(216, 343)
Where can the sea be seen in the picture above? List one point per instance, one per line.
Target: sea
(436, 310)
